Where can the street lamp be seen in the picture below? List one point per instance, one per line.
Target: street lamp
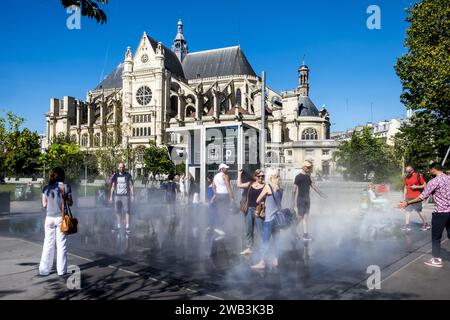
(85, 175)
(85, 171)
(263, 119)
(128, 154)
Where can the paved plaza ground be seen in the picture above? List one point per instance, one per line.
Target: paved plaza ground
(171, 256)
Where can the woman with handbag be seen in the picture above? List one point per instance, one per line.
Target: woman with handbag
(55, 196)
(269, 229)
(252, 189)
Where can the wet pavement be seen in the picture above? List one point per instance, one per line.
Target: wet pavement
(176, 248)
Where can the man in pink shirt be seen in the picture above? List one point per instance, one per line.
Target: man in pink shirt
(439, 187)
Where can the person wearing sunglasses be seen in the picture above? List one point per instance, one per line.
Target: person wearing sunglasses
(301, 197)
(272, 196)
(253, 187)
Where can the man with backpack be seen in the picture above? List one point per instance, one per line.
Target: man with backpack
(414, 184)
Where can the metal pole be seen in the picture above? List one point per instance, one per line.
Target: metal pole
(446, 155)
(187, 182)
(85, 174)
(263, 121)
(85, 179)
(128, 156)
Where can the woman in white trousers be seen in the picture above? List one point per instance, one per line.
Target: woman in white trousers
(54, 238)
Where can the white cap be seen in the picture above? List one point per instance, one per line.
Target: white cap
(223, 166)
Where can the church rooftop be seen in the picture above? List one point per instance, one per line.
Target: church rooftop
(216, 63)
(306, 107)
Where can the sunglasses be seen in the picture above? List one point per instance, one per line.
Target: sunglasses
(261, 176)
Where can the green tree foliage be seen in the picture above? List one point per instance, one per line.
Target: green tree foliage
(109, 157)
(424, 138)
(180, 168)
(23, 153)
(157, 160)
(363, 156)
(424, 72)
(89, 8)
(66, 154)
(19, 149)
(3, 145)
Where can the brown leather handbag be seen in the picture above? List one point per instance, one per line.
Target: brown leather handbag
(260, 210)
(69, 224)
(244, 203)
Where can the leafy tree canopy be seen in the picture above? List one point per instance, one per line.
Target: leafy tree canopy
(424, 72)
(364, 156)
(66, 154)
(157, 160)
(19, 149)
(89, 8)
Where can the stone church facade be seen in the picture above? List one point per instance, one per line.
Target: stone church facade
(156, 88)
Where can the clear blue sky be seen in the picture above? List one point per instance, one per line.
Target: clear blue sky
(41, 58)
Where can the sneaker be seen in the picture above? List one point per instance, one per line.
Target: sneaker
(219, 232)
(425, 227)
(259, 266)
(306, 237)
(275, 263)
(246, 252)
(434, 262)
(115, 230)
(43, 274)
(405, 228)
(128, 231)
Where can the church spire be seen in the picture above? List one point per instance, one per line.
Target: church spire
(303, 80)
(179, 46)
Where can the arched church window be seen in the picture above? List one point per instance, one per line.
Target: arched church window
(224, 104)
(140, 156)
(190, 112)
(238, 97)
(84, 140)
(97, 139)
(310, 134)
(110, 139)
(144, 95)
(110, 118)
(277, 101)
(172, 112)
(149, 131)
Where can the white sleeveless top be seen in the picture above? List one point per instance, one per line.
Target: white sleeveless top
(221, 187)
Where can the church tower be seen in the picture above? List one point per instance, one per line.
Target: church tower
(303, 80)
(179, 46)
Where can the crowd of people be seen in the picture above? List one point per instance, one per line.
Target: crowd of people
(262, 195)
